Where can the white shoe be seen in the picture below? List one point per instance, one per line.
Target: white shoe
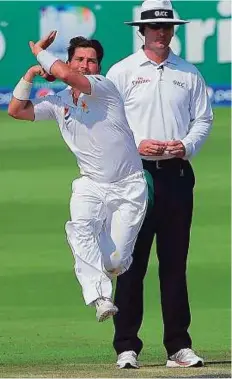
(128, 359)
(184, 358)
(105, 308)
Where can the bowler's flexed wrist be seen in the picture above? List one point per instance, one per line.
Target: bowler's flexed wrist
(30, 74)
(37, 50)
(46, 60)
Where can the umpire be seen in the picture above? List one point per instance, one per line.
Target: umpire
(168, 109)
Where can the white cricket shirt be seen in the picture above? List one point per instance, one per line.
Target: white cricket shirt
(96, 130)
(165, 102)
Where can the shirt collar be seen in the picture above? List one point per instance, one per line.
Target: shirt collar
(66, 96)
(142, 58)
(172, 58)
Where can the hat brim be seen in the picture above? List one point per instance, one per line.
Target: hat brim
(173, 21)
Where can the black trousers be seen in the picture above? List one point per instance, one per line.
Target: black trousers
(170, 220)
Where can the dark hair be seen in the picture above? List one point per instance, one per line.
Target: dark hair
(141, 29)
(165, 25)
(84, 42)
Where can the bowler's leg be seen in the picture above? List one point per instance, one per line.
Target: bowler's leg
(126, 209)
(87, 217)
(129, 288)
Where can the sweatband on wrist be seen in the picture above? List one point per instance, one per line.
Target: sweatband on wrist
(46, 60)
(22, 90)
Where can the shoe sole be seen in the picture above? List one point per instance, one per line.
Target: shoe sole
(174, 364)
(107, 314)
(128, 366)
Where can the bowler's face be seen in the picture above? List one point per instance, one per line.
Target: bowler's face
(85, 61)
(159, 35)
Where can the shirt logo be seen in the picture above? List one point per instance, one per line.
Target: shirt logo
(67, 118)
(140, 80)
(84, 106)
(180, 84)
(66, 113)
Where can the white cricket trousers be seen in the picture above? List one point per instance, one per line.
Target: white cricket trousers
(105, 221)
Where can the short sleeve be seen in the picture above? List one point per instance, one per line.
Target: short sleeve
(101, 86)
(44, 108)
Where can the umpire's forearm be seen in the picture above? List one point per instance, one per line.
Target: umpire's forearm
(196, 137)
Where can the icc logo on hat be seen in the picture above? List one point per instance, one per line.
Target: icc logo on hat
(156, 11)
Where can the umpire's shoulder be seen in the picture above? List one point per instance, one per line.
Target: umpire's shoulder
(184, 65)
(123, 65)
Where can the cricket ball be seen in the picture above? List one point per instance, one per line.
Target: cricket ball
(50, 78)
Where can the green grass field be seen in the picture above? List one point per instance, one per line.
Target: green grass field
(45, 328)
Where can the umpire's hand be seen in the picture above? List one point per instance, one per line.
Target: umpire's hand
(175, 148)
(151, 147)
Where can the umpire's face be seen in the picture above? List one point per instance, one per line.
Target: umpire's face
(85, 61)
(158, 36)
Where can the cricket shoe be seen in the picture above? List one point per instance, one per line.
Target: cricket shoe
(184, 358)
(105, 308)
(128, 359)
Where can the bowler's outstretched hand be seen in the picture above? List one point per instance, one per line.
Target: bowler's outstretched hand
(43, 43)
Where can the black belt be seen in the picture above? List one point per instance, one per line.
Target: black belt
(173, 163)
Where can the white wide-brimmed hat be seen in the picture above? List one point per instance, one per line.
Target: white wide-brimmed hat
(156, 11)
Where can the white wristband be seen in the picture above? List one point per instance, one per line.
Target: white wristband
(22, 90)
(46, 60)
